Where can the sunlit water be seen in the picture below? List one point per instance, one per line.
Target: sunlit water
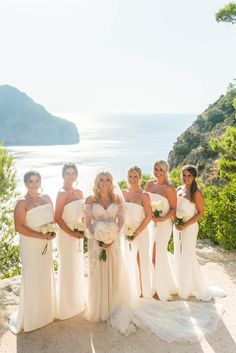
(112, 142)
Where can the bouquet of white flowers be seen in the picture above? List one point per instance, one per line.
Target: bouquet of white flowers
(157, 208)
(105, 233)
(50, 229)
(179, 217)
(80, 228)
(130, 234)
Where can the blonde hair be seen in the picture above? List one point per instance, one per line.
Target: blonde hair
(96, 191)
(164, 165)
(136, 169)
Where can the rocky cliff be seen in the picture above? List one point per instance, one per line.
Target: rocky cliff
(24, 122)
(192, 146)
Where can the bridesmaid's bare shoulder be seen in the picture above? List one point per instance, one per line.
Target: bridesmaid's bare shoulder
(47, 198)
(89, 200)
(21, 202)
(169, 186)
(79, 193)
(145, 196)
(149, 185)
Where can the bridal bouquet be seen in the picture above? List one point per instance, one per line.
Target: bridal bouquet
(157, 208)
(49, 229)
(179, 218)
(130, 234)
(105, 233)
(80, 228)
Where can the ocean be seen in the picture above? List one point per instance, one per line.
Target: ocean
(107, 142)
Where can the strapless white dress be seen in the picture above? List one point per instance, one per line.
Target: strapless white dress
(164, 281)
(188, 273)
(134, 215)
(71, 282)
(37, 306)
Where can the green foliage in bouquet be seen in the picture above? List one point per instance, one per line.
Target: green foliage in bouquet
(9, 251)
(219, 222)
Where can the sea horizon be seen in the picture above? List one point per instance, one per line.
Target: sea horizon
(107, 142)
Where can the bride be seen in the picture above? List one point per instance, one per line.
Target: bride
(107, 282)
(109, 295)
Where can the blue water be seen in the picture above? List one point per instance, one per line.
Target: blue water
(112, 142)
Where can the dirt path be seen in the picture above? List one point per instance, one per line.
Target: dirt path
(77, 335)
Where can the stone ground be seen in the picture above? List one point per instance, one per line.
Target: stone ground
(76, 335)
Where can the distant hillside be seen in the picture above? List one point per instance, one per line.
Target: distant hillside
(24, 122)
(192, 146)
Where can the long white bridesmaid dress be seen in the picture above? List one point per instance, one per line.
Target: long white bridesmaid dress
(134, 215)
(71, 282)
(37, 306)
(188, 273)
(164, 281)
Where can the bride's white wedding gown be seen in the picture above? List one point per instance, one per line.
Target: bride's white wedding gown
(134, 215)
(164, 281)
(71, 283)
(111, 298)
(188, 273)
(108, 281)
(37, 306)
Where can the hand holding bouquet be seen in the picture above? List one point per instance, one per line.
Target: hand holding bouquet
(179, 218)
(157, 208)
(80, 228)
(49, 230)
(105, 233)
(130, 235)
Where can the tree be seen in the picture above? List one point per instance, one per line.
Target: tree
(227, 13)
(9, 251)
(226, 147)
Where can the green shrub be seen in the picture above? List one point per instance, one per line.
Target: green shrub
(175, 176)
(219, 222)
(9, 251)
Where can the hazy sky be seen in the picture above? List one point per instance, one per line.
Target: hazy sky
(117, 55)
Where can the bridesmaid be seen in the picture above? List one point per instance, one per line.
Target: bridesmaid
(162, 191)
(190, 210)
(37, 296)
(69, 212)
(138, 214)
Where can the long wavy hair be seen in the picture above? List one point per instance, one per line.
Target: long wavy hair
(96, 190)
(194, 187)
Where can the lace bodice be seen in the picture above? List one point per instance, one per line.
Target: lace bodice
(96, 212)
(93, 214)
